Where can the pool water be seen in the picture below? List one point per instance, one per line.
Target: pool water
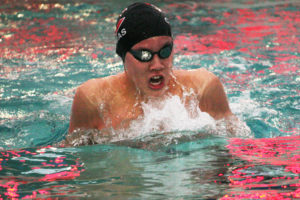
(48, 48)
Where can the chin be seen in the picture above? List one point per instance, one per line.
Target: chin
(157, 93)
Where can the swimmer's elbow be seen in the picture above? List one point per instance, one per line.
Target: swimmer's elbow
(236, 127)
(214, 100)
(72, 126)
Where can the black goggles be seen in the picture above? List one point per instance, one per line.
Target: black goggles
(145, 55)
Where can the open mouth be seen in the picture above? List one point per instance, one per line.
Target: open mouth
(156, 82)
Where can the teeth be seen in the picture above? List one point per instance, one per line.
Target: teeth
(156, 80)
(156, 83)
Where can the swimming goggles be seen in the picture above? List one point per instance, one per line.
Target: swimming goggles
(145, 55)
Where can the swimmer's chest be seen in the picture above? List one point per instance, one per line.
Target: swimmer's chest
(119, 114)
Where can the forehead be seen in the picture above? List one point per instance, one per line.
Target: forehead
(153, 43)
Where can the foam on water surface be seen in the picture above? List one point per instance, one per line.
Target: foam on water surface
(164, 122)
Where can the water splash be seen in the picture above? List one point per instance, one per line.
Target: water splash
(164, 122)
(170, 115)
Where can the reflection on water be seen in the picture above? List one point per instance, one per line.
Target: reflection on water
(272, 171)
(23, 172)
(48, 48)
(116, 171)
(208, 168)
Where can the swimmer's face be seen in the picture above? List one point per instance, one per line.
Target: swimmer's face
(152, 77)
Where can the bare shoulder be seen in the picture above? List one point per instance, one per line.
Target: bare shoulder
(198, 79)
(194, 72)
(86, 93)
(209, 89)
(99, 89)
(86, 112)
(201, 74)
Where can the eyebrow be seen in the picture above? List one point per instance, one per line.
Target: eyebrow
(141, 48)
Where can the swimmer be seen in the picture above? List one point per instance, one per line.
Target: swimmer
(145, 44)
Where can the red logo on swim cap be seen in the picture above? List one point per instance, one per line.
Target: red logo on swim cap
(119, 24)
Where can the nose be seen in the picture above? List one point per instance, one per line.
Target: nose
(156, 64)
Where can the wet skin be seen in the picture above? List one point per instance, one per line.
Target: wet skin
(114, 101)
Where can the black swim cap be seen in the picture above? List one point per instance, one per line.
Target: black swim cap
(138, 22)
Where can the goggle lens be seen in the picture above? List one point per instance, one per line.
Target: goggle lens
(146, 55)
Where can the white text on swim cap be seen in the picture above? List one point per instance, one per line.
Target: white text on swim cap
(121, 33)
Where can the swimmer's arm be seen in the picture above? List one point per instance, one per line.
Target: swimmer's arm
(84, 113)
(213, 100)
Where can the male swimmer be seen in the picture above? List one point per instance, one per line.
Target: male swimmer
(145, 44)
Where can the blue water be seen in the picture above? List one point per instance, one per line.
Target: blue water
(47, 49)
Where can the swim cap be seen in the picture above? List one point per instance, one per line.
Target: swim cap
(138, 22)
